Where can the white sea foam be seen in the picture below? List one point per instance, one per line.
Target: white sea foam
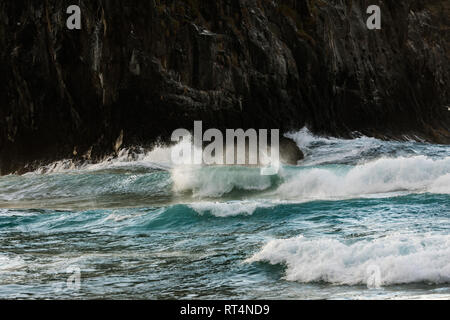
(304, 138)
(399, 259)
(323, 149)
(228, 209)
(363, 177)
(9, 264)
(441, 185)
(15, 213)
(119, 217)
(217, 181)
(386, 175)
(356, 176)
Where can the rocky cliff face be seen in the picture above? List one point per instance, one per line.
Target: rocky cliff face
(140, 69)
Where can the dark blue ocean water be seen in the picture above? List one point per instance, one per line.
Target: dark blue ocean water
(357, 219)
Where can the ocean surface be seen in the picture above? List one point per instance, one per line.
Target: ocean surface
(357, 219)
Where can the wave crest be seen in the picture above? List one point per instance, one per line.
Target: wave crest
(385, 175)
(399, 259)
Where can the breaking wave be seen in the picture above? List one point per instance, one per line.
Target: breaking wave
(415, 175)
(333, 169)
(383, 176)
(395, 259)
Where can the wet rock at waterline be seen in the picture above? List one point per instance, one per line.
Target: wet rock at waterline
(290, 153)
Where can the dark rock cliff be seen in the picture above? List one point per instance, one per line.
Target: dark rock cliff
(140, 69)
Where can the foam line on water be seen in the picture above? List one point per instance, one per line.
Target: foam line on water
(10, 264)
(228, 209)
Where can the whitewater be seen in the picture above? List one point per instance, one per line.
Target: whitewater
(358, 218)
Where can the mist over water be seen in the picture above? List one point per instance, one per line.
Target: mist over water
(138, 226)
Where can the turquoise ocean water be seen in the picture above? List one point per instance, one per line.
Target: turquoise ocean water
(357, 219)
